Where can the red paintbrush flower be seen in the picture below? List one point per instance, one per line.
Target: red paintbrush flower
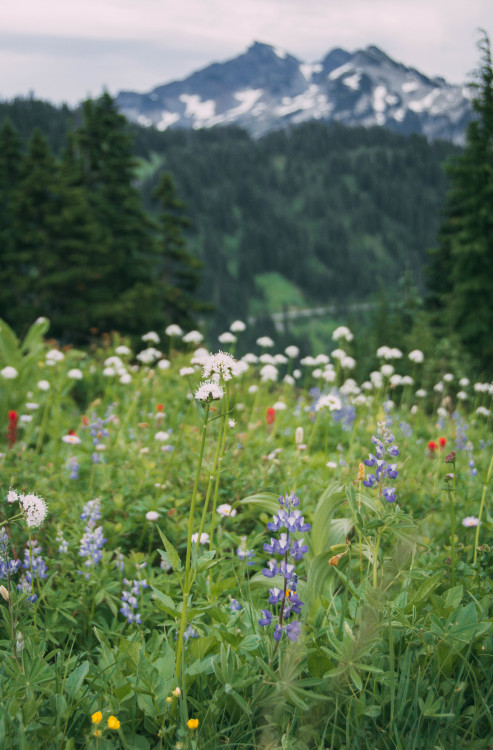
(270, 415)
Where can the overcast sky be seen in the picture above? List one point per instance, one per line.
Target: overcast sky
(66, 50)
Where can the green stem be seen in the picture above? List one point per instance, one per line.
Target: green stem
(218, 474)
(481, 508)
(187, 581)
(375, 558)
(451, 494)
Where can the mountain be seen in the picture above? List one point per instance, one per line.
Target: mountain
(267, 89)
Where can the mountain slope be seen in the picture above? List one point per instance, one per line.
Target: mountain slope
(266, 89)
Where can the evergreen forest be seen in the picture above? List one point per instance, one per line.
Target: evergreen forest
(318, 215)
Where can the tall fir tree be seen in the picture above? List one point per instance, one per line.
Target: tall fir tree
(179, 270)
(460, 276)
(10, 160)
(130, 292)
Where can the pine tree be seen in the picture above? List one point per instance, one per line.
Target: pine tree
(129, 291)
(10, 160)
(178, 269)
(460, 277)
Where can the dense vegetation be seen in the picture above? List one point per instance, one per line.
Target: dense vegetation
(168, 600)
(317, 215)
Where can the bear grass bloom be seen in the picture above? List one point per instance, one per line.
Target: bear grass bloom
(33, 508)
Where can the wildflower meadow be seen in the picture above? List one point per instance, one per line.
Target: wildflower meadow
(202, 547)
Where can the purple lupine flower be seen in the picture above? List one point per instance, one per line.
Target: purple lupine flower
(234, 605)
(130, 601)
(73, 467)
(35, 567)
(91, 512)
(243, 552)
(384, 444)
(8, 567)
(285, 546)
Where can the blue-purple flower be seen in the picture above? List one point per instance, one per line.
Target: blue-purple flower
(384, 446)
(290, 550)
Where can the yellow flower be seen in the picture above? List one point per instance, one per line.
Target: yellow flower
(96, 717)
(97, 733)
(113, 723)
(192, 723)
(169, 699)
(361, 472)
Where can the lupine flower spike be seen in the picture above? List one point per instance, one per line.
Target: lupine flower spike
(289, 518)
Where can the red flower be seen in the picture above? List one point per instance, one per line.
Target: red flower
(270, 415)
(12, 428)
(72, 432)
(159, 407)
(442, 441)
(432, 446)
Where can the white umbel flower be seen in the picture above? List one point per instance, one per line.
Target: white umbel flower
(227, 338)
(237, 326)
(34, 508)
(9, 373)
(209, 390)
(151, 336)
(75, 374)
(221, 365)
(173, 330)
(193, 337)
(416, 356)
(265, 342)
(292, 351)
(342, 333)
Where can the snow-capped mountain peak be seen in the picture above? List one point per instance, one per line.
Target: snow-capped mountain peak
(266, 88)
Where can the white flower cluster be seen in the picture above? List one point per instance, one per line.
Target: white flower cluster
(33, 507)
(342, 333)
(386, 352)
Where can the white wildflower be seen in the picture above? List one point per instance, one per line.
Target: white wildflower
(237, 326)
(161, 436)
(122, 350)
(125, 378)
(204, 539)
(34, 508)
(338, 354)
(416, 356)
(186, 371)
(152, 515)
(75, 374)
(269, 373)
(193, 337)
(386, 370)
(209, 390)
(25, 418)
(448, 377)
(225, 510)
(222, 365)
(12, 496)
(329, 401)
(163, 364)
(464, 382)
(44, 385)
(288, 379)
(227, 338)
(9, 373)
(348, 363)
(250, 358)
(292, 351)
(54, 355)
(421, 393)
(342, 333)
(151, 336)
(149, 355)
(462, 396)
(71, 439)
(265, 342)
(173, 330)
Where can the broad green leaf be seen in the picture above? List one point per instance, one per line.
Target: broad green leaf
(173, 555)
(76, 678)
(267, 501)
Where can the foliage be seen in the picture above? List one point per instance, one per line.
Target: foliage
(460, 278)
(110, 606)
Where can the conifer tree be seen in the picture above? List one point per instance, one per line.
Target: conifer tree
(10, 159)
(129, 288)
(461, 278)
(178, 269)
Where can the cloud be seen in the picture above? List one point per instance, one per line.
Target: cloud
(75, 47)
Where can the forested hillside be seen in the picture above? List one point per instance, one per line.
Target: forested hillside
(317, 215)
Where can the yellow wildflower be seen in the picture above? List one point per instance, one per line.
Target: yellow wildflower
(192, 723)
(361, 472)
(113, 723)
(96, 717)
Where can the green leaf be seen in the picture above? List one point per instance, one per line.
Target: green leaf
(75, 680)
(173, 555)
(267, 501)
(323, 534)
(453, 597)
(427, 587)
(165, 600)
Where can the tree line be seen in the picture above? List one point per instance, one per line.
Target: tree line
(76, 244)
